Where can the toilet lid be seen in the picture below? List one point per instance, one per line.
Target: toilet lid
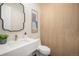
(44, 48)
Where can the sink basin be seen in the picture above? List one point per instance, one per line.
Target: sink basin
(20, 41)
(21, 47)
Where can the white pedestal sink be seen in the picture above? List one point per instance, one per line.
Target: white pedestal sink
(21, 47)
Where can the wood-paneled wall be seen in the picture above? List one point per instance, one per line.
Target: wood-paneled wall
(60, 28)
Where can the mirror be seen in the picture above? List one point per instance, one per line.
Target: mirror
(12, 16)
(34, 27)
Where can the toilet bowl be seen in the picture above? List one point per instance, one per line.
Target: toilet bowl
(43, 50)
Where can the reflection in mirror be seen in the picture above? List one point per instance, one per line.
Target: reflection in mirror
(34, 28)
(12, 16)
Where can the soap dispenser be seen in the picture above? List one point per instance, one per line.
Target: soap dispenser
(25, 35)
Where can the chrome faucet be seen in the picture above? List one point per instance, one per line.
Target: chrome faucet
(16, 37)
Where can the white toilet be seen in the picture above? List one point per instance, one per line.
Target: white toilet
(43, 50)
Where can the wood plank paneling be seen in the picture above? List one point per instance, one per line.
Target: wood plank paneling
(60, 28)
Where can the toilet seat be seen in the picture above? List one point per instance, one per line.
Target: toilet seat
(44, 50)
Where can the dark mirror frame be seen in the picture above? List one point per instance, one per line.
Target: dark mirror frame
(3, 21)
